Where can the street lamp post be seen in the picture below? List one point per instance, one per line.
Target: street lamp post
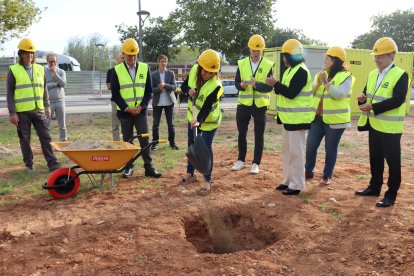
(142, 16)
(100, 46)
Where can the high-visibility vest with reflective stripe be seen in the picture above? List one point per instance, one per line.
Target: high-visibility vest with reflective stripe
(249, 95)
(213, 120)
(298, 110)
(28, 94)
(132, 92)
(334, 111)
(391, 121)
(192, 77)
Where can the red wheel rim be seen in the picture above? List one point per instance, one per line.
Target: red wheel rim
(59, 177)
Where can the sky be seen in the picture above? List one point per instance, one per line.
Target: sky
(335, 22)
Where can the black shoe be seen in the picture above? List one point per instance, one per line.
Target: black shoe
(367, 192)
(174, 147)
(152, 173)
(282, 187)
(385, 202)
(128, 172)
(290, 192)
(54, 167)
(154, 147)
(30, 168)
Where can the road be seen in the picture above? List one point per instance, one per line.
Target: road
(94, 103)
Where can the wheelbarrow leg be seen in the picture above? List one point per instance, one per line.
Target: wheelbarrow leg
(112, 183)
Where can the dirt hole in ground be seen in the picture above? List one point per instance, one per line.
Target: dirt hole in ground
(230, 231)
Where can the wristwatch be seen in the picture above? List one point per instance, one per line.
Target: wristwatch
(325, 82)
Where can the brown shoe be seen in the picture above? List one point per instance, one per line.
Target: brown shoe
(309, 175)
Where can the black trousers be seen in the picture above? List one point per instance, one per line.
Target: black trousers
(40, 123)
(169, 115)
(385, 146)
(243, 115)
(141, 125)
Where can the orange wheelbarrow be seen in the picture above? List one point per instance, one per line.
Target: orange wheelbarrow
(65, 182)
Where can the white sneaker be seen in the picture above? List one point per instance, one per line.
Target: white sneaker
(238, 165)
(254, 169)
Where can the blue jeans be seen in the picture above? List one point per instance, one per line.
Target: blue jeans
(208, 137)
(332, 137)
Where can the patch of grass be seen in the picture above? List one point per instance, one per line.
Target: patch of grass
(361, 177)
(306, 196)
(335, 213)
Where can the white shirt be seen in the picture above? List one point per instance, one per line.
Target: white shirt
(165, 99)
(254, 65)
(381, 75)
(132, 71)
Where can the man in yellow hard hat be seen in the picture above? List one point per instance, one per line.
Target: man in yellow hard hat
(131, 90)
(382, 104)
(253, 100)
(28, 104)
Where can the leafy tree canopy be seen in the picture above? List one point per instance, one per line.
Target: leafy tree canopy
(16, 16)
(398, 25)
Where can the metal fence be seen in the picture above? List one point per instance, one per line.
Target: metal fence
(83, 82)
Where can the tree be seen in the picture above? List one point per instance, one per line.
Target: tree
(223, 25)
(16, 16)
(398, 25)
(85, 51)
(157, 39)
(281, 35)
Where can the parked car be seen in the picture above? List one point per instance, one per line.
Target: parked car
(229, 89)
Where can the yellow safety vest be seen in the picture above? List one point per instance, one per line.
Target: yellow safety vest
(213, 120)
(334, 111)
(192, 81)
(298, 110)
(250, 96)
(391, 121)
(28, 94)
(132, 92)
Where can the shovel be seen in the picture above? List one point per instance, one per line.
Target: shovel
(198, 154)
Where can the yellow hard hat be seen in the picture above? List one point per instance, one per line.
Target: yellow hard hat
(256, 42)
(26, 44)
(292, 46)
(130, 47)
(384, 45)
(209, 60)
(336, 52)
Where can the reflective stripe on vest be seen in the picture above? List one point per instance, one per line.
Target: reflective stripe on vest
(28, 94)
(298, 110)
(248, 96)
(334, 111)
(213, 120)
(391, 121)
(132, 92)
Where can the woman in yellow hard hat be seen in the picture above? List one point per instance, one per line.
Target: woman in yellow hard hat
(294, 111)
(205, 88)
(332, 92)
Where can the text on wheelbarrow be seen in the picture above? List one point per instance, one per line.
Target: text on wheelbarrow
(100, 158)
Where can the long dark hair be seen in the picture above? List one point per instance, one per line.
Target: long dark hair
(199, 81)
(337, 66)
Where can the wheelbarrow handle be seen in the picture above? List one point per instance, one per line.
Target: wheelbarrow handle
(143, 135)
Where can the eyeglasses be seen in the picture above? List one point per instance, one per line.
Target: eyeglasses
(51, 61)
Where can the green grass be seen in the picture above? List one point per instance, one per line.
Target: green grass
(334, 212)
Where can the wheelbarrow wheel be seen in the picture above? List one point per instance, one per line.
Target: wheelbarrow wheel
(59, 177)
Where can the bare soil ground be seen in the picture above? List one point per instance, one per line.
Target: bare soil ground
(243, 227)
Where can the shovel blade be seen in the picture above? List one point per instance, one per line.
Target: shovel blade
(199, 156)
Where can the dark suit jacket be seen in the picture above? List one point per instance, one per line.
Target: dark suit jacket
(170, 86)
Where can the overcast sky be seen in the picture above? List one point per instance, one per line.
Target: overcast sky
(335, 22)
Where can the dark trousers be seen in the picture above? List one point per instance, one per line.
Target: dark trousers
(40, 123)
(385, 146)
(243, 115)
(141, 126)
(169, 115)
(208, 137)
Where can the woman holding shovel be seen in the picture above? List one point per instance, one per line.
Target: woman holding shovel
(204, 115)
